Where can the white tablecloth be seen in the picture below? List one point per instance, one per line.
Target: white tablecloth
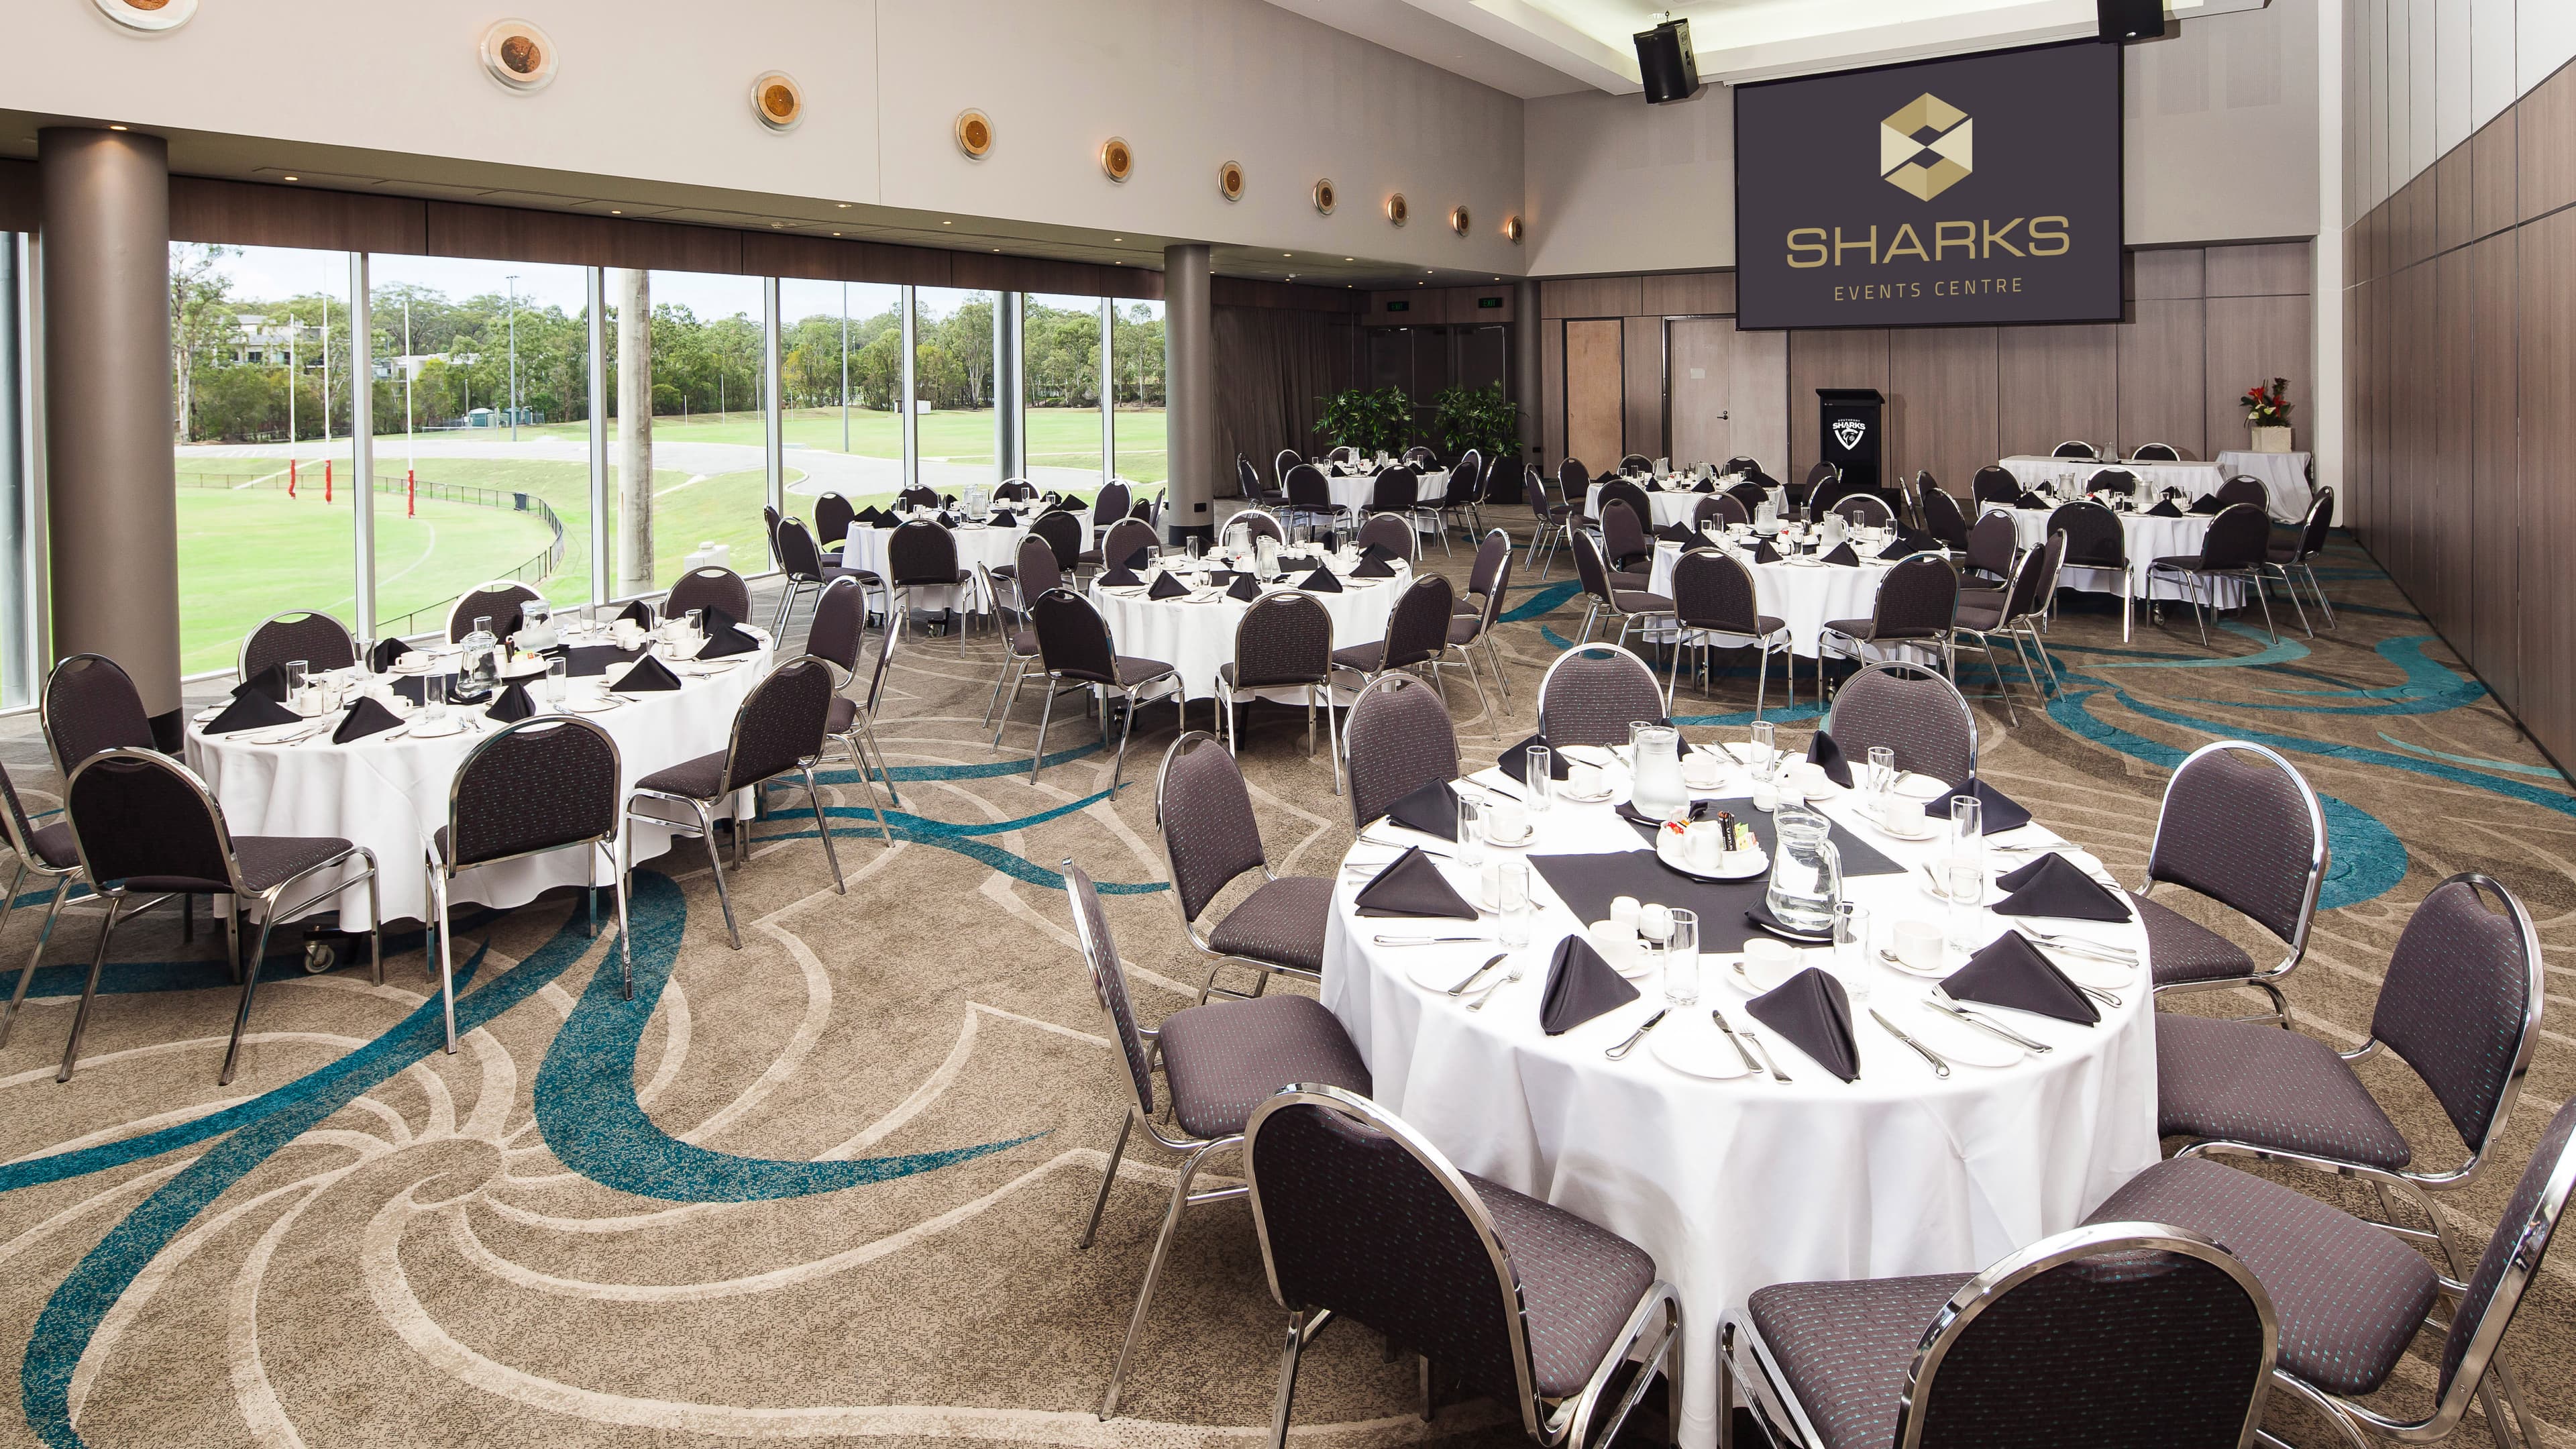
(1358, 490)
(976, 543)
(1196, 637)
(1802, 596)
(2284, 475)
(1734, 1185)
(389, 795)
(2194, 479)
(1670, 506)
(2150, 538)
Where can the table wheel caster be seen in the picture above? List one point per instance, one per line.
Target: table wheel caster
(319, 956)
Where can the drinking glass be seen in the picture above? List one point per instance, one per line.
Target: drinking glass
(1680, 951)
(366, 654)
(1963, 881)
(1968, 828)
(1539, 774)
(558, 680)
(1192, 543)
(1766, 750)
(433, 699)
(297, 670)
(697, 624)
(1471, 834)
(1882, 769)
(1512, 900)
(1852, 964)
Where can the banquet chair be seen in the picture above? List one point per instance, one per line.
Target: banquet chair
(1574, 485)
(90, 704)
(1472, 619)
(2240, 825)
(1399, 738)
(1866, 510)
(1636, 463)
(709, 588)
(2096, 539)
(1994, 484)
(1913, 710)
(1420, 458)
(1036, 573)
(2299, 551)
(833, 516)
(1751, 494)
(769, 516)
(318, 639)
(1591, 693)
(1921, 483)
(2244, 488)
(836, 636)
(801, 563)
(2013, 611)
(1110, 504)
(1719, 510)
(531, 788)
(1247, 482)
(2352, 1300)
(1075, 651)
(1392, 532)
(1831, 492)
(1943, 520)
(2126, 1333)
(1283, 641)
(1120, 544)
(1624, 544)
(1506, 1296)
(1607, 593)
(2073, 448)
(1456, 505)
(1016, 490)
(499, 601)
(2113, 480)
(1821, 474)
(1280, 463)
(2237, 546)
(1417, 633)
(779, 730)
(1063, 535)
(917, 496)
(924, 556)
(144, 825)
(1715, 603)
(1552, 522)
(1219, 1059)
(1310, 497)
(2155, 453)
(1992, 549)
(1622, 490)
(1254, 523)
(1397, 491)
(1918, 600)
(47, 852)
(1346, 455)
(1739, 464)
(1210, 841)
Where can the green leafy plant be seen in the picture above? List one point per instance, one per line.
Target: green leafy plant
(1367, 420)
(2268, 407)
(1479, 418)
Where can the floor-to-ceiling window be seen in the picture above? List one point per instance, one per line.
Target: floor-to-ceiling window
(482, 432)
(952, 366)
(1136, 392)
(18, 590)
(684, 392)
(840, 351)
(1060, 389)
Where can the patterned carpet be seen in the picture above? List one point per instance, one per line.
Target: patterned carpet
(827, 1187)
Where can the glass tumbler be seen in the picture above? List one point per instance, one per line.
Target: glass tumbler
(1539, 775)
(297, 672)
(1681, 959)
(558, 680)
(1471, 834)
(1512, 900)
(1882, 769)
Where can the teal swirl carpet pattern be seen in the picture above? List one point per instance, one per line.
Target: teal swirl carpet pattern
(825, 1188)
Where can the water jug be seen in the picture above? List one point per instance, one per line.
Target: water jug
(1806, 872)
(1658, 789)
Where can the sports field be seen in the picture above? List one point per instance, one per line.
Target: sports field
(1058, 437)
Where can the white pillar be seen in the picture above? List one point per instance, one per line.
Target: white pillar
(362, 437)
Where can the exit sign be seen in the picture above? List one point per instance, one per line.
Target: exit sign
(1405, 306)
(1492, 302)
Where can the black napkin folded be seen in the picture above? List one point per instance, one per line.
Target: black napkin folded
(1909, 541)
(639, 611)
(1764, 553)
(1379, 552)
(2029, 499)
(1758, 915)
(1142, 557)
(382, 657)
(268, 684)
(1289, 563)
(2206, 503)
(728, 641)
(712, 620)
(1810, 1011)
(586, 660)
(1121, 578)
(1842, 554)
(1515, 761)
(367, 717)
(1321, 581)
(2165, 509)
(2055, 886)
(1706, 485)
(946, 519)
(648, 673)
(1370, 568)
(873, 517)
(1580, 986)
(1677, 533)
(1243, 588)
(2009, 971)
(250, 710)
(1411, 886)
(1002, 518)
(1166, 587)
(2002, 812)
(512, 704)
(1433, 810)
(948, 500)
(1821, 750)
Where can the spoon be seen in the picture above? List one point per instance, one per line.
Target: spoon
(1509, 977)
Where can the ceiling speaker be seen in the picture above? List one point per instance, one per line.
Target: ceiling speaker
(2127, 20)
(1396, 210)
(974, 134)
(1229, 181)
(1324, 196)
(778, 100)
(1667, 63)
(1117, 162)
(149, 14)
(519, 55)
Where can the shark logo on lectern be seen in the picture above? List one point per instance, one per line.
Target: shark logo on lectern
(1849, 432)
(1926, 148)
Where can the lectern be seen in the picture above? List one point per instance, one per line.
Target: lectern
(1851, 421)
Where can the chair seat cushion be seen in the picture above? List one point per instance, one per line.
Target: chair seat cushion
(265, 861)
(1579, 1283)
(1225, 672)
(698, 779)
(1979, 617)
(1004, 571)
(1465, 628)
(1282, 923)
(1133, 671)
(53, 845)
(2182, 949)
(2188, 563)
(1640, 602)
(843, 714)
(2254, 1082)
(1223, 1058)
(1844, 1349)
(1087, 556)
(1983, 598)
(1024, 642)
(1362, 657)
(934, 581)
(865, 576)
(1630, 580)
(2349, 1296)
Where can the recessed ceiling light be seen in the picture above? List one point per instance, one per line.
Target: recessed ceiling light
(293, 178)
(997, 251)
(948, 223)
(1350, 259)
(1283, 254)
(843, 205)
(776, 224)
(613, 211)
(836, 233)
(114, 127)
(1118, 238)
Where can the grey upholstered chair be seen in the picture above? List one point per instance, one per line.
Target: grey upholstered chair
(1392, 532)
(2352, 1299)
(1994, 483)
(1015, 490)
(2155, 453)
(2240, 825)
(778, 730)
(537, 786)
(1574, 486)
(1076, 652)
(1505, 1296)
(2244, 488)
(1220, 1060)
(1720, 510)
(144, 825)
(2073, 448)
(1417, 632)
(1255, 523)
(1752, 493)
(500, 601)
(1821, 475)
(1396, 490)
(1310, 497)
(1210, 841)
(2298, 550)
(1715, 604)
(917, 496)
(1283, 641)
(709, 588)
(1122, 542)
(1991, 548)
(1641, 512)
(2096, 539)
(1551, 522)
(1457, 504)
(2113, 480)
(1593, 692)
(924, 556)
(1912, 710)
(90, 704)
(49, 853)
(1036, 572)
(1063, 535)
(1608, 595)
(1398, 739)
(1943, 520)
(1472, 619)
(1109, 505)
(1917, 602)
(833, 516)
(2013, 611)
(837, 636)
(1866, 510)
(1625, 546)
(318, 639)
(2122, 1334)
(801, 564)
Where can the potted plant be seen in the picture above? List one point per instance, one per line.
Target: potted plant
(1366, 419)
(2268, 410)
(1478, 418)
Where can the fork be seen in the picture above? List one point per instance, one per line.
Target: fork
(1508, 978)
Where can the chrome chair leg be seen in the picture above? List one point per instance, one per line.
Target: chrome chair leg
(815, 796)
(715, 858)
(625, 883)
(1299, 1331)
(89, 990)
(1045, 716)
(1332, 735)
(1153, 1273)
(44, 933)
(1108, 1176)
(885, 769)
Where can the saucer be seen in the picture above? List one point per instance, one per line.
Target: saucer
(1608, 794)
(1669, 847)
(1925, 830)
(1524, 838)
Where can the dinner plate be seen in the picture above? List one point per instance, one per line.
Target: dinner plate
(1607, 795)
(1443, 967)
(1669, 847)
(1921, 787)
(1690, 1043)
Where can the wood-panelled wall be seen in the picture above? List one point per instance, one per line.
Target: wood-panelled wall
(2460, 362)
(2203, 324)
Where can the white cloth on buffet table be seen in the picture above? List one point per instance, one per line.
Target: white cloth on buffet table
(1196, 637)
(2284, 475)
(1732, 1185)
(1358, 490)
(1671, 506)
(390, 795)
(2194, 479)
(2150, 538)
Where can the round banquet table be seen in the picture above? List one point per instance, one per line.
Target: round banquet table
(1356, 491)
(2150, 538)
(2194, 479)
(1196, 635)
(390, 794)
(977, 543)
(1671, 505)
(1732, 1185)
(1805, 597)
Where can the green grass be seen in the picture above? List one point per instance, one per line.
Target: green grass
(1057, 437)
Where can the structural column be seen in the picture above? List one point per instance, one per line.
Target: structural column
(1526, 374)
(1189, 390)
(111, 487)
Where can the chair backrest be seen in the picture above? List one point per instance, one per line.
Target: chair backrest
(1283, 638)
(1866, 509)
(1247, 480)
(2240, 825)
(1111, 505)
(1990, 543)
(798, 556)
(1635, 463)
(769, 530)
(839, 627)
(1820, 474)
(2512, 1259)
(1623, 531)
(1493, 559)
(2053, 553)
(1016, 490)
(90, 705)
(20, 830)
(1420, 458)
(318, 639)
(1534, 492)
(1572, 478)
(2094, 538)
(2461, 1003)
(1751, 495)
(1038, 569)
(1122, 541)
(1739, 464)
(2112, 480)
(1281, 465)
(1943, 520)
(1109, 982)
(2156, 453)
(1063, 535)
(709, 588)
(1717, 510)
(832, 516)
(1620, 490)
(2244, 489)
(2024, 595)
(1073, 640)
(1712, 589)
(781, 723)
(2112, 1336)
(1397, 488)
(921, 553)
(1916, 600)
(1209, 835)
(1994, 483)
(1590, 570)
(2312, 535)
(1346, 455)
(1398, 738)
(1358, 1213)
(1390, 531)
(1308, 488)
(1255, 523)
(2073, 448)
(1911, 710)
(1418, 629)
(539, 784)
(1466, 478)
(919, 495)
(2239, 537)
(139, 813)
(1148, 510)
(499, 601)
(1593, 692)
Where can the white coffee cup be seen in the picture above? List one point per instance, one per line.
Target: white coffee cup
(1766, 796)
(1624, 911)
(1702, 770)
(411, 659)
(1510, 820)
(1617, 944)
(629, 633)
(1901, 814)
(1583, 779)
(1812, 780)
(1917, 944)
(1768, 961)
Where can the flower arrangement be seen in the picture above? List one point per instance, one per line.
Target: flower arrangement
(2268, 407)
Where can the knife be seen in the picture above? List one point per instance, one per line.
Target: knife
(1478, 974)
(1750, 1064)
(1620, 1052)
(1942, 1002)
(1940, 1068)
(1425, 940)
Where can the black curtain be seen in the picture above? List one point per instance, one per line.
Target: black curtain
(1274, 367)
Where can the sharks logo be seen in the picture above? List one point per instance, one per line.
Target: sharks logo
(1849, 432)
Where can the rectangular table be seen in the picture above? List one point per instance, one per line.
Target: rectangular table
(2284, 475)
(2194, 479)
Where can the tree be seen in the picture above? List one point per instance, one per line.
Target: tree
(202, 321)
